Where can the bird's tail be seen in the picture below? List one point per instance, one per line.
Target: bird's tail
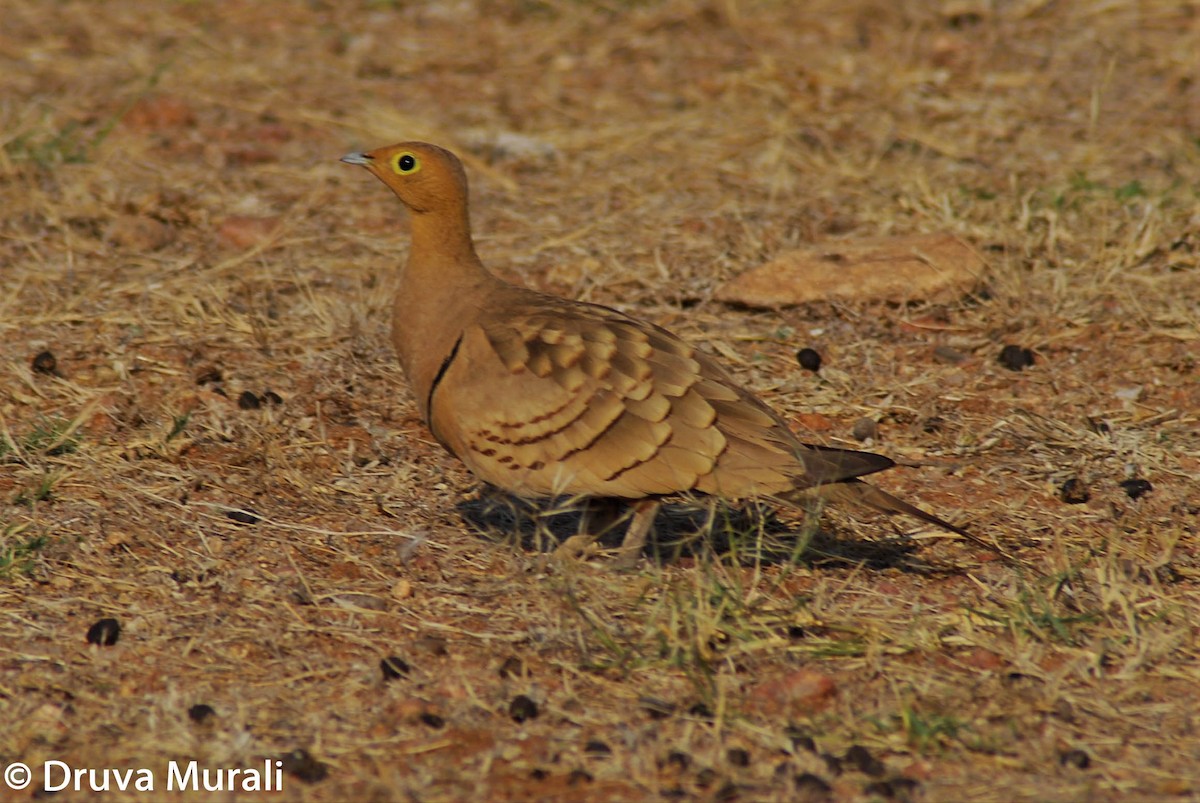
(856, 491)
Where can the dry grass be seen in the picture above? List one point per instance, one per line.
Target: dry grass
(177, 231)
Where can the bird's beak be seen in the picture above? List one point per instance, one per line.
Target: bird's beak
(357, 159)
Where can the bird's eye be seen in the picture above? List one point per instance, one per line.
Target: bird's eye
(406, 163)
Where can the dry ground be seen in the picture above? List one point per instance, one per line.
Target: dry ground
(177, 233)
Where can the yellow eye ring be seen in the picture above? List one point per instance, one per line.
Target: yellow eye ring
(405, 163)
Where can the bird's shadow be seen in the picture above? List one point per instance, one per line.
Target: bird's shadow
(686, 528)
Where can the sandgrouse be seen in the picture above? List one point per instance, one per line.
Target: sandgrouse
(542, 396)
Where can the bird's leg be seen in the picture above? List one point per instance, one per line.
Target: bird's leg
(644, 512)
(599, 516)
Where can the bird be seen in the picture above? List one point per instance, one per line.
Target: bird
(543, 396)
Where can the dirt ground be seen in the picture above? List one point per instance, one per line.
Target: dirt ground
(205, 437)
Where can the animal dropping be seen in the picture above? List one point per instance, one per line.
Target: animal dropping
(543, 396)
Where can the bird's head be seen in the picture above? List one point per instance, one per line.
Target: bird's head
(426, 178)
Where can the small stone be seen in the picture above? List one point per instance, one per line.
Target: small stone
(522, 708)
(394, 667)
(402, 589)
(809, 359)
(299, 764)
(861, 758)
(1076, 758)
(865, 429)
(201, 713)
(796, 694)
(44, 362)
(249, 401)
(1015, 358)
(1130, 394)
(1136, 488)
(244, 232)
(1074, 492)
(104, 632)
(434, 645)
(949, 355)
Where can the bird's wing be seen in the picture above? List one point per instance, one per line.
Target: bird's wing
(544, 396)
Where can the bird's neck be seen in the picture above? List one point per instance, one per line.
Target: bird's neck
(441, 289)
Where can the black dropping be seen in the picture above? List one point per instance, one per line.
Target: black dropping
(249, 401)
(809, 359)
(738, 757)
(1076, 758)
(657, 709)
(796, 632)
(800, 738)
(44, 362)
(271, 397)
(513, 667)
(832, 763)
(1015, 358)
(933, 424)
(680, 759)
(394, 667)
(861, 758)
(299, 764)
(522, 708)
(728, 791)
(700, 711)
(1136, 488)
(810, 784)
(597, 748)
(1074, 492)
(246, 516)
(705, 777)
(432, 720)
(209, 375)
(888, 789)
(578, 776)
(104, 632)
(539, 774)
(201, 713)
